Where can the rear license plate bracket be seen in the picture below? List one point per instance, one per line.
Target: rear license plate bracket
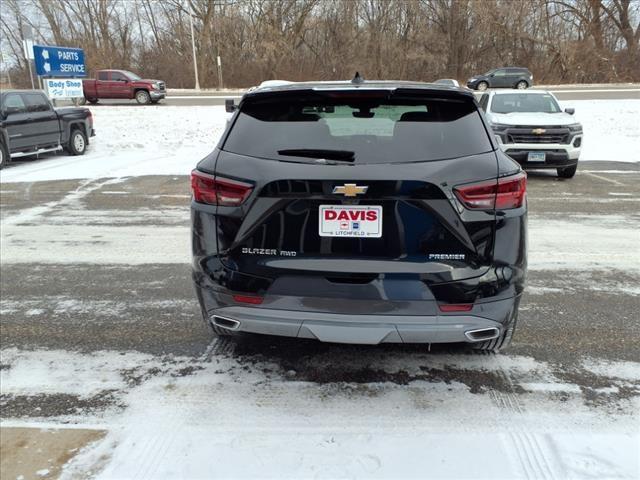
(350, 221)
(536, 157)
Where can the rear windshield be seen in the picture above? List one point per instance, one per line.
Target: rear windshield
(524, 102)
(366, 127)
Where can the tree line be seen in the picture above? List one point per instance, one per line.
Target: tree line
(560, 41)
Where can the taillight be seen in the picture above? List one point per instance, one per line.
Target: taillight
(218, 191)
(456, 307)
(505, 193)
(248, 299)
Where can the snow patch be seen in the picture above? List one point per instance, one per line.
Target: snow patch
(620, 369)
(611, 129)
(232, 418)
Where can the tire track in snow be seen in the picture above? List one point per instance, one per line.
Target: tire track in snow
(529, 450)
(30, 214)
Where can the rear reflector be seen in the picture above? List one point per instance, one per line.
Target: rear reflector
(213, 190)
(248, 299)
(456, 307)
(505, 193)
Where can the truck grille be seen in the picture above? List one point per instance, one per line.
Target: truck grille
(544, 138)
(161, 85)
(527, 135)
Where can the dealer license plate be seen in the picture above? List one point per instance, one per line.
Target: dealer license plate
(536, 157)
(350, 221)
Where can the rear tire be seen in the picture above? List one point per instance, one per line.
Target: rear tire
(567, 172)
(498, 344)
(77, 142)
(4, 156)
(482, 86)
(522, 85)
(92, 101)
(143, 97)
(82, 101)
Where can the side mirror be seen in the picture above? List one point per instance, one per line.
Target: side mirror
(570, 111)
(491, 75)
(229, 105)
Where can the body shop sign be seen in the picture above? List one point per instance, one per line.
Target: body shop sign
(59, 88)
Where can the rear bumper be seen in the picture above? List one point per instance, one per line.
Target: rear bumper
(362, 328)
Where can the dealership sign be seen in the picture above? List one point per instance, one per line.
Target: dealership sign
(59, 61)
(58, 88)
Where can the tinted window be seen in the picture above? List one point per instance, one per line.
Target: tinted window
(118, 77)
(500, 73)
(36, 102)
(13, 103)
(104, 76)
(132, 76)
(371, 127)
(524, 102)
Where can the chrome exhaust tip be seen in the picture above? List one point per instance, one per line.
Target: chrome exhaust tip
(482, 334)
(225, 322)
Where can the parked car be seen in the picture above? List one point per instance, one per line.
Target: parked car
(29, 125)
(447, 81)
(360, 212)
(124, 85)
(533, 130)
(508, 77)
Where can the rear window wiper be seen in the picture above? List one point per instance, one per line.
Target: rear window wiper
(339, 155)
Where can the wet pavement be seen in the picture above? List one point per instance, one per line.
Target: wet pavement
(130, 290)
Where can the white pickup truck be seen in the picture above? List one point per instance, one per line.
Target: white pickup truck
(533, 130)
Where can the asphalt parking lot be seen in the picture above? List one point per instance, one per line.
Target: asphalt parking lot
(78, 271)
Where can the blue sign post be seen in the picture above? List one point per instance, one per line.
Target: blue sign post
(59, 61)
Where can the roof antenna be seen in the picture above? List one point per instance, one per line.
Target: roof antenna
(357, 78)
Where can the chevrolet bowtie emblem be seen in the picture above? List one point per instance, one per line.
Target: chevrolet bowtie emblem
(538, 131)
(350, 189)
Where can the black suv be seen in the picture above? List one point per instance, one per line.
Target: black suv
(508, 77)
(360, 212)
(30, 125)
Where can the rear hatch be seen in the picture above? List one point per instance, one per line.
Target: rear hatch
(353, 185)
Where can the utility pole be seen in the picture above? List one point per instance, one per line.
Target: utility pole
(27, 42)
(193, 48)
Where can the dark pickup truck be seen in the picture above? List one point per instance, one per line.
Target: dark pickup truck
(29, 125)
(124, 85)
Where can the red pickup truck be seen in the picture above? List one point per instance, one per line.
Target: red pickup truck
(123, 84)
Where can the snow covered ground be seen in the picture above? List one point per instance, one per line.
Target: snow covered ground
(220, 421)
(170, 140)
